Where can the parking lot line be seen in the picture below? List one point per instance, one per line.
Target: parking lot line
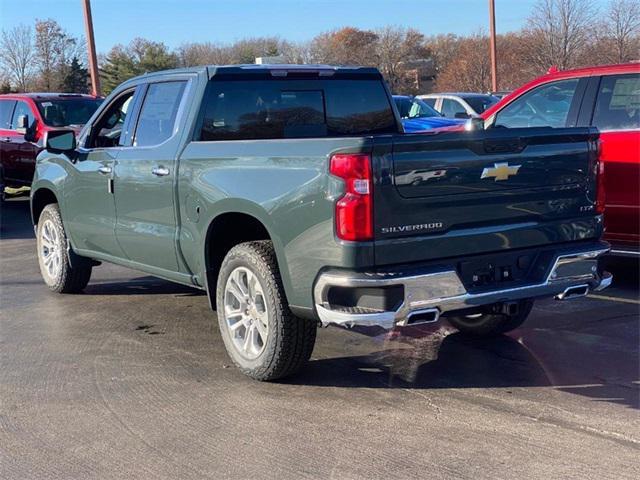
(615, 299)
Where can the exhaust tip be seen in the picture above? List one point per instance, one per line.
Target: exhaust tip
(573, 292)
(420, 317)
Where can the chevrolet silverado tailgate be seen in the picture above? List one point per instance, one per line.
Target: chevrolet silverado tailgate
(459, 193)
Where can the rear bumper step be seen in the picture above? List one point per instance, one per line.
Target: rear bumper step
(427, 295)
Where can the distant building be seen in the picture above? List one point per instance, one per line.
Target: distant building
(420, 74)
(270, 60)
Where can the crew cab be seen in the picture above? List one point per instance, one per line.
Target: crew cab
(604, 97)
(24, 118)
(292, 196)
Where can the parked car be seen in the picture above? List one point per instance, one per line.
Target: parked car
(274, 189)
(460, 105)
(605, 97)
(24, 119)
(417, 116)
(500, 94)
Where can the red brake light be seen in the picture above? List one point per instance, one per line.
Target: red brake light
(354, 210)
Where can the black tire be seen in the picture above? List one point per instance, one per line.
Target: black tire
(290, 340)
(488, 324)
(65, 278)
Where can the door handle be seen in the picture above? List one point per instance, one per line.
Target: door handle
(105, 170)
(160, 171)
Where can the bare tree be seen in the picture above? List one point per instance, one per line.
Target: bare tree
(54, 50)
(622, 29)
(190, 54)
(347, 46)
(300, 52)
(470, 69)
(17, 54)
(246, 50)
(559, 31)
(443, 49)
(396, 47)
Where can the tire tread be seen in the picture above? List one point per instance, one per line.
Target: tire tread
(73, 278)
(296, 335)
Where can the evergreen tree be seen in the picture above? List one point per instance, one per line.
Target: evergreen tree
(75, 78)
(5, 87)
(140, 56)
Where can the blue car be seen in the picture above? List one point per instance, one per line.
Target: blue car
(417, 116)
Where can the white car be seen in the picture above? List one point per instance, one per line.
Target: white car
(459, 105)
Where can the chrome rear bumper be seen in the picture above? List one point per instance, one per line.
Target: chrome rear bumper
(624, 252)
(433, 293)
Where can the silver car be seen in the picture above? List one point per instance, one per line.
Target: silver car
(459, 105)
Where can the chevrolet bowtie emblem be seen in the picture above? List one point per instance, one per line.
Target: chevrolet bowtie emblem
(500, 171)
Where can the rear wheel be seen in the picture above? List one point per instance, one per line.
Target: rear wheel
(487, 324)
(53, 255)
(263, 338)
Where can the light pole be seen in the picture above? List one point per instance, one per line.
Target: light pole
(492, 45)
(91, 47)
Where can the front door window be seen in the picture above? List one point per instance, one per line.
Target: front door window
(544, 106)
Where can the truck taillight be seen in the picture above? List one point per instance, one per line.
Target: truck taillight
(354, 210)
(600, 190)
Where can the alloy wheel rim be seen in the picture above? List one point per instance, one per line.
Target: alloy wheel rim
(245, 312)
(51, 249)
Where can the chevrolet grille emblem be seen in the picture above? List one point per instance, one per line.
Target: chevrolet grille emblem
(500, 171)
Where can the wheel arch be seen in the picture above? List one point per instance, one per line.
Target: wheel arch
(229, 228)
(40, 198)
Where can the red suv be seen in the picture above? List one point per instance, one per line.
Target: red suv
(606, 97)
(23, 120)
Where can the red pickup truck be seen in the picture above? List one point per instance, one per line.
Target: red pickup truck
(607, 97)
(24, 118)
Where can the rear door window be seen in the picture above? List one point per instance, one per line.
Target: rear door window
(618, 103)
(545, 106)
(451, 107)
(480, 104)
(158, 114)
(430, 101)
(6, 109)
(272, 109)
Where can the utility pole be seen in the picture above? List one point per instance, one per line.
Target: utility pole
(492, 45)
(91, 47)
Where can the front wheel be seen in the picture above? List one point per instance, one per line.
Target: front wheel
(53, 255)
(262, 336)
(487, 324)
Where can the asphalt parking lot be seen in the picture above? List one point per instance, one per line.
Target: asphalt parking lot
(131, 380)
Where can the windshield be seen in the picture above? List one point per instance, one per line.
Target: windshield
(414, 108)
(64, 113)
(480, 104)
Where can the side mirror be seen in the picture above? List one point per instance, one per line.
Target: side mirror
(60, 141)
(474, 124)
(31, 131)
(22, 124)
(462, 115)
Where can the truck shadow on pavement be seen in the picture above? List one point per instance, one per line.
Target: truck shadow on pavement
(147, 285)
(445, 360)
(15, 219)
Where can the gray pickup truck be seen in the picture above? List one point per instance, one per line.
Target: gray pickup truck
(291, 195)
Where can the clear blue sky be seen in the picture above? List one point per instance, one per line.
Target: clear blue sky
(175, 22)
